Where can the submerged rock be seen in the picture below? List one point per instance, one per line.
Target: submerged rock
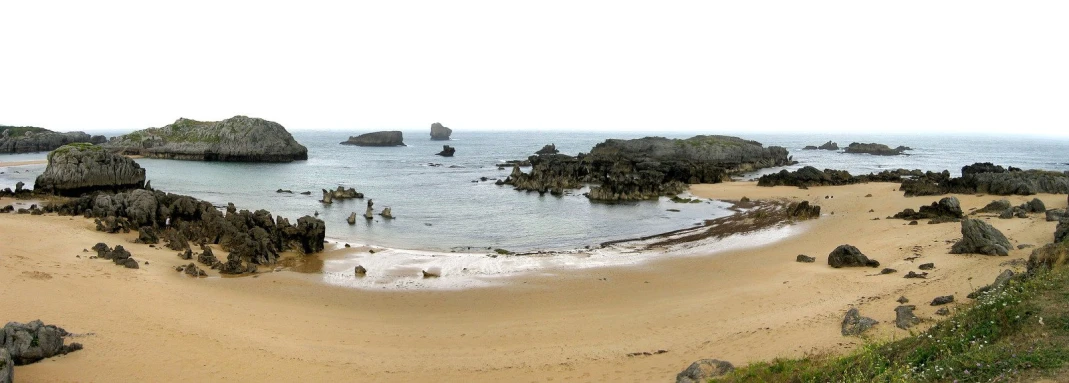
(79, 168)
(981, 238)
(384, 138)
(236, 139)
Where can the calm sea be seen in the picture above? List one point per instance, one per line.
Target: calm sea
(448, 208)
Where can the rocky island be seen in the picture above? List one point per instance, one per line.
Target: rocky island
(28, 139)
(827, 146)
(646, 168)
(876, 149)
(439, 132)
(236, 139)
(384, 138)
(77, 168)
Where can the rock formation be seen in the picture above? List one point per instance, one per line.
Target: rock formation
(945, 210)
(26, 139)
(30, 342)
(340, 193)
(809, 176)
(904, 317)
(78, 168)
(875, 149)
(236, 139)
(704, 370)
(548, 149)
(988, 178)
(827, 146)
(386, 213)
(981, 238)
(849, 256)
(855, 324)
(439, 132)
(805, 258)
(447, 151)
(352, 218)
(7, 366)
(646, 168)
(384, 138)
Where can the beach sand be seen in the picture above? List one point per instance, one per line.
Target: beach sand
(154, 324)
(22, 163)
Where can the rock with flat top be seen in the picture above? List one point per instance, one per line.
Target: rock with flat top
(384, 138)
(75, 169)
(236, 139)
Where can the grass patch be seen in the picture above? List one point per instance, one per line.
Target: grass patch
(1019, 332)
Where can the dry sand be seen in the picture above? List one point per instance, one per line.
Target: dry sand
(154, 324)
(22, 163)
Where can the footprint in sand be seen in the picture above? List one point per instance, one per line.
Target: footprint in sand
(37, 275)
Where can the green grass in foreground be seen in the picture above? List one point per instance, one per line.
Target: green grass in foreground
(1017, 333)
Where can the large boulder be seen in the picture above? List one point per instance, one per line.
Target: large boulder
(384, 138)
(75, 169)
(26, 139)
(849, 256)
(7, 366)
(548, 149)
(703, 370)
(945, 210)
(31, 342)
(439, 132)
(978, 237)
(855, 324)
(236, 139)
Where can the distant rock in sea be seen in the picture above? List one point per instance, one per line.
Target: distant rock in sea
(439, 132)
(383, 138)
(827, 146)
(74, 169)
(876, 149)
(27, 139)
(236, 139)
(447, 151)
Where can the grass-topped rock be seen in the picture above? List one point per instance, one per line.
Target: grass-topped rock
(28, 139)
(236, 139)
(74, 169)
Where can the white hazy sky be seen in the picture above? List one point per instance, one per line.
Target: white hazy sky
(802, 66)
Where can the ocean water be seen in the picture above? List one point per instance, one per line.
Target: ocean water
(446, 208)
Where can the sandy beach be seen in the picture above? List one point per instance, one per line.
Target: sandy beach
(154, 324)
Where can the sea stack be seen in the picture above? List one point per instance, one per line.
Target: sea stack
(384, 138)
(236, 139)
(74, 169)
(439, 132)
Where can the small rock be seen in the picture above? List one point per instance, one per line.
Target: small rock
(855, 324)
(912, 274)
(888, 271)
(805, 258)
(703, 370)
(926, 266)
(903, 299)
(359, 271)
(904, 317)
(943, 311)
(912, 223)
(939, 301)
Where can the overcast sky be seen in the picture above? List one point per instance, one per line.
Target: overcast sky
(710, 66)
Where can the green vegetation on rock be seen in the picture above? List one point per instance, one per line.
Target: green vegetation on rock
(1018, 333)
(19, 131)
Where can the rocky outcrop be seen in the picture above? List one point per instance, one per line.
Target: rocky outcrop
(439, 132)
(827, 146)
(27, 139)
(703, 370)
(1000, 281)
(447, 151)
(340, 193)
(7, 366)
(945, 210)
(548, 149)
(942, 300)
(252, 238)
(79, 168)
(988, 178)
(904, 317)
(646, 168)
(1061, 232)
(850, 256)
(978, 237)
(31, 342)
(809, 176)
(236, 139)
(803, 211)
(875, 149)
(384, 138)
(855, 324)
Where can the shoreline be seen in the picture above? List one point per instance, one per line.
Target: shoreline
(740, 304)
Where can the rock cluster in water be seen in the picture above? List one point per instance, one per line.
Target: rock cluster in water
(26, 139)
(447, 151)
(236, 139)
(439, 132)
(875, 149)
(383, 138)
(646, 168)
(826, 146)
(77, 168)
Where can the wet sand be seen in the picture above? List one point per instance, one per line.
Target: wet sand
(742, 304)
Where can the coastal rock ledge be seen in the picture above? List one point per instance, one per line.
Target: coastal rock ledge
(74, 169)
(236, 139)
(26, 139)
(384, 138)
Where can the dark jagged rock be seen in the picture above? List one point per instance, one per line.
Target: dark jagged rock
(439, 132)
(826, 146)
(803, 211)
(875, 149)
(101, 248)
(703, 370)
(1054, 215)
(1035, 206)
(945, 210)
(912, 275)
(548, 149)
(989, 179)
(252, 238)
(207, 257)
(1061, 232)
(904, 317)
(646, 168)
(855, 324)
(236, 139)
(805, 258)
(359, 271)
(888, 270)
(942, 300)
(147, 235)
(384, 138)
(26, 139)
(194, 271)
(30, 342)
(79, 168)
(447, 151)
(926, 266)
(997, 206)
(981, 238)
(809, 176)
(1000, 281)
(7, 366)
(981, 167)
(186, 255)
(850, 256)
